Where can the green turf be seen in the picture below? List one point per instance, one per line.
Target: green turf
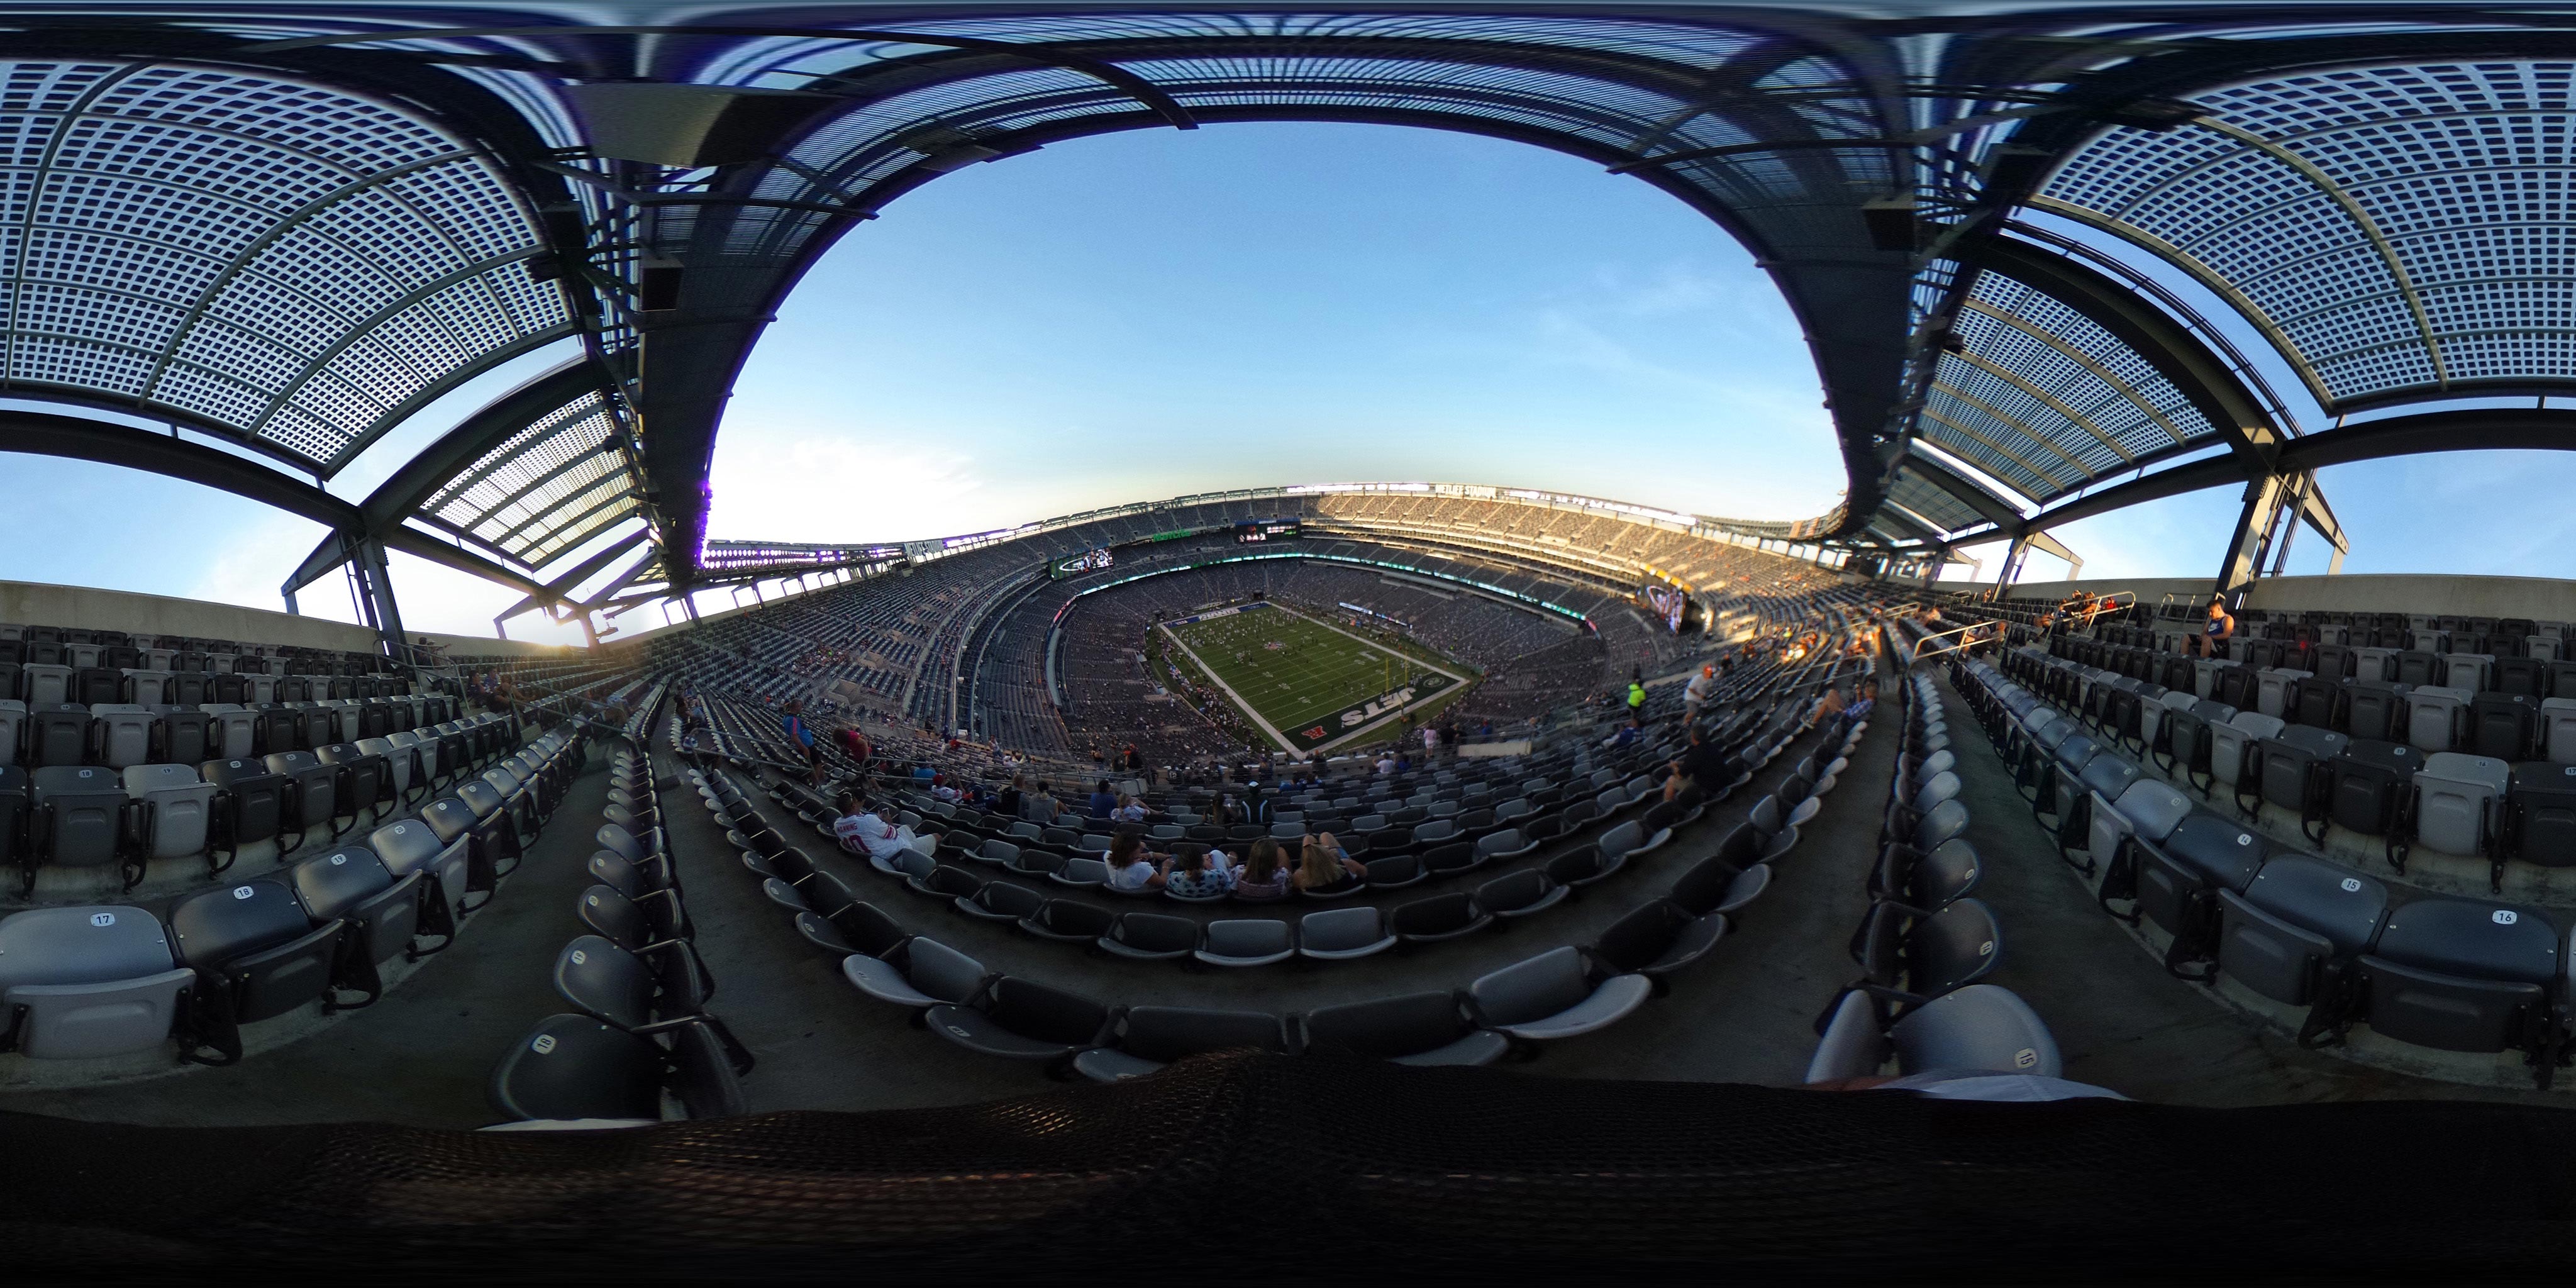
(1302, 686)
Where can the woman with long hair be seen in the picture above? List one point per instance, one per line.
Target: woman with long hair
(1264, 874)
(1323, 867)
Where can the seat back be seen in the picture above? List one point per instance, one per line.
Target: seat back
(2461, 975)
(1532, 989)
(2435, 716)
(85, 982)
(1168, 1033)
(79, 815)
(57, 734)
(2456, 801)
(2502, 726)
(1387, 1028)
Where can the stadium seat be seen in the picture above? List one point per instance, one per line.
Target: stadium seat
(1069, 921)
(2291, 921)
(1247, 941)
(1146, 1038)
(1343, 934)
(1438, 917)
(1414, 1029)
(85, 982)
(256, 955)
(1151, 936)
(1660, 937)
(1021, 1019)
(2459, 975)
(573, 1068)
(1561, 993)
(76, 819)
(380, 913)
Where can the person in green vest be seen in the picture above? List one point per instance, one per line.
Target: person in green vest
(1636, 697)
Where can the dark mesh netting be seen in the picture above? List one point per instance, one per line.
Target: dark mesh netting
(1256, 1167)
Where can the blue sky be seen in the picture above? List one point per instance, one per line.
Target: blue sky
(1157, 313)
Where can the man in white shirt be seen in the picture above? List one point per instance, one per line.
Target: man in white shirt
(1386, 764)
(861, 831)
(1695, 694)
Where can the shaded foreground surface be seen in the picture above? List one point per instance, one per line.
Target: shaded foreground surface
(1432, 1172)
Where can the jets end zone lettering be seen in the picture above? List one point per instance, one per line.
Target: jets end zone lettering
(1376, 707)
(1212, 616)
(1358, 716)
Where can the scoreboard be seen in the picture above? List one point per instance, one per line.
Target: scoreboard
(1256, 530)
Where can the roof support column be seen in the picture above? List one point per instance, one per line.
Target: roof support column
(2266, 498)
(375, 587)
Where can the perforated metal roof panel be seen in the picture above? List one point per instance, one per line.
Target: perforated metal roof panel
(2397, 230)
(284, 262)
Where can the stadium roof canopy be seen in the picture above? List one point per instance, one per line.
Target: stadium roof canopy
(2051, 259)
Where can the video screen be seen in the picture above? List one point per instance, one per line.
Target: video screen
(1255, 530)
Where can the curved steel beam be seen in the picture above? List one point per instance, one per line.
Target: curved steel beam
(396, 499)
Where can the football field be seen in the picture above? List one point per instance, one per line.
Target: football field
(1303, 681)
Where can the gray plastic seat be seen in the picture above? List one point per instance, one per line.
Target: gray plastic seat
(1151, 936)
(1660, 937)
(1342, 934)
(1520, 894)
(1414, 1028)
(178, 808)
(1248, 941)
(919, 973)
(87, 982)
(2296, 915)
(1021, 1019)
(1982, 1027)
(1556, 995)
(2461, 975)
(1146, 1038)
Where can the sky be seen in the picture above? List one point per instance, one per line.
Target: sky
(1157, 313)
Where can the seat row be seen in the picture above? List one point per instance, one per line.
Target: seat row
(639, 1045)
(2224, 902)
(2404, 767)
(1558, 994)
(118, 734)
(107, 980)
(1926, 942)
(79, 816)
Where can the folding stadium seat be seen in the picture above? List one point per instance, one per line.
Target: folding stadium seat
(1439, 917)
(1247, 941)
(2468, 671)
(620, 989)
(2230, 765)
(2458, 800)
(1000, 901)
(1415, 1029)
(57, 734)
(1661, 937)
(84, 982)
(2146, 809)
(2334, 663)
(1561, 993)
(45, 685)
(2295, 919)
(2316, 702)
(2503, 726)
(380, 913)
(2539, 819)
(1151, 936)
(76, 818)
(1146, 1038)
(172, 815)
(1979, 1028)
(2105, 778)
(2238, 686)
(2459, 975)
(312, 796)
(2291, 770)
(572, 1068)
(1069, 921)
(1021, 1019)
(410, 846)
(256, 955)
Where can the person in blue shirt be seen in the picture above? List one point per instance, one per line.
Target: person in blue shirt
(1103, 801)
(801, 737)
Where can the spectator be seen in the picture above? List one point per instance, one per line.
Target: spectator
(1008, 803)
(1626, 734)
(1039, 806)
(1385, 764)
(1264, 876)
(2214, 633)
(1130, 810)
(1700, 765)
(1859, 710)
(1828, 706)
(1103, 802)
(856, 746)
(1130, 868)
(1696, 694)
(1636, 695)
(801, 737)
(1193, 873)
(1135, 759)
(1323, 867)
(860, 830)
